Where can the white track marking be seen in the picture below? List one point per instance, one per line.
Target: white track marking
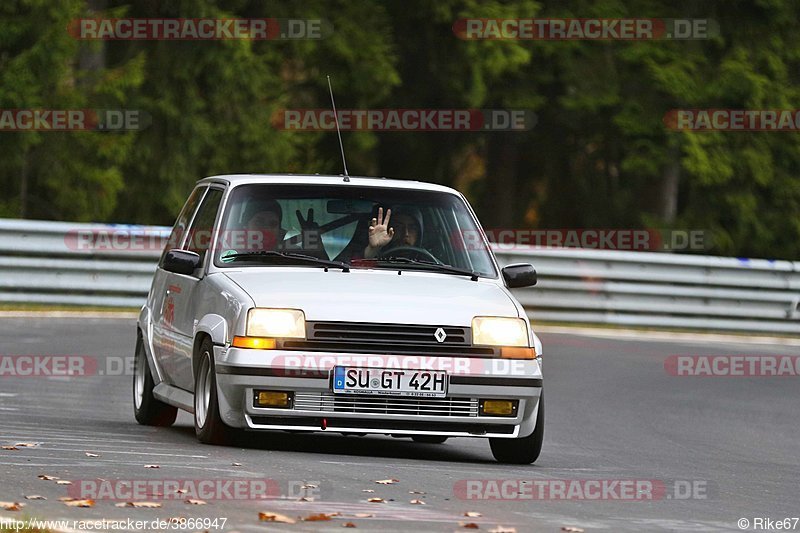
(116, 315)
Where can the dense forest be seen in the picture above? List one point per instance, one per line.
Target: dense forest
(600, 154)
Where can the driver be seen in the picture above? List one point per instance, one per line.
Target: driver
(406, 231)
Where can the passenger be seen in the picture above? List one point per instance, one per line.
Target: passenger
(264, 220)
(406, 231)
(263, 225)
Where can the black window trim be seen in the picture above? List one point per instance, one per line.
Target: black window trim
(230, 189)
(211, 249)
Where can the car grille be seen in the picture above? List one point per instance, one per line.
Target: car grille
(401, 339)
(364, 404)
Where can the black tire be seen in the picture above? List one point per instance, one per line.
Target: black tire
(148, 410)
(208, 426)
(522, 451)
(428, 439)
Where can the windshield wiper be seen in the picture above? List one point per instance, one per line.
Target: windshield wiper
(427, 264)
(289, 257)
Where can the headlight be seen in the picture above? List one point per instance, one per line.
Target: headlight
(499, 331)
(278, 323)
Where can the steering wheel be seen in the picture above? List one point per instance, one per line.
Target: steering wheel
(410, 252)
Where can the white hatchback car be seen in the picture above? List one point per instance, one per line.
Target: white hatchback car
(337, 304)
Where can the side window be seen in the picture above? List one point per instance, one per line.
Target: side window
(179, 229)
(202, 232)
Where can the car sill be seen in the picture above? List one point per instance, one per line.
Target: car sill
(174, 396)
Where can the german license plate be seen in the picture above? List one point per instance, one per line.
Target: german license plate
(396, 382)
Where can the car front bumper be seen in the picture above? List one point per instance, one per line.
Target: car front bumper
(316, 407)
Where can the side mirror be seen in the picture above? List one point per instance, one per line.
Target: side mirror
(519, 275)
(181, 262)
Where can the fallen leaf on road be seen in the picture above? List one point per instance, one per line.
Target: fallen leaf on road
(275, 517)
(387, 481)
(66, 499)
(367, 490)
(309, 486)
(321, 517)
(417, 502)
(236, 464)
(11, 506)
(376, 500)
(348, 524)
(180, 491)
(473, 514)
(91, 454)
(79, 503)
(46, 477)
(26, 445)
(503, 529)
(195, 502)
(364, 515)
(416, 492)
(152, 466)
(305, 499)
(10, 448)
(35, 497)
(569, 529)
(468, 525)
(143, 505)
(63, 482)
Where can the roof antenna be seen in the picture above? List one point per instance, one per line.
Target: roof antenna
(338, 132)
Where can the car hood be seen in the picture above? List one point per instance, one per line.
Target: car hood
(375, 295)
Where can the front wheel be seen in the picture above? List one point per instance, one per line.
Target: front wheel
(148, 410)
(208, 426)
(522, 451)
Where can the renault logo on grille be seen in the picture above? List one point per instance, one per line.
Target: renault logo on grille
(439, 335)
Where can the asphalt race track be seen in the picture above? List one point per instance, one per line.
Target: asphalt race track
(717, 448)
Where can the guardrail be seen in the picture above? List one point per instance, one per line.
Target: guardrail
(660, 290)
(88, 264)
(77, 264)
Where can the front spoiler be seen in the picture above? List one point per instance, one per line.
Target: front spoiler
(241, 371)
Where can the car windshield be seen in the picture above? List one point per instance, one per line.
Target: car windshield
(363, 227)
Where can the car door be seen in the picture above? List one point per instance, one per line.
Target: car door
(183, 292)
(161, 306)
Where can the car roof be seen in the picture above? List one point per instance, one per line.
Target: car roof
(319, 179)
